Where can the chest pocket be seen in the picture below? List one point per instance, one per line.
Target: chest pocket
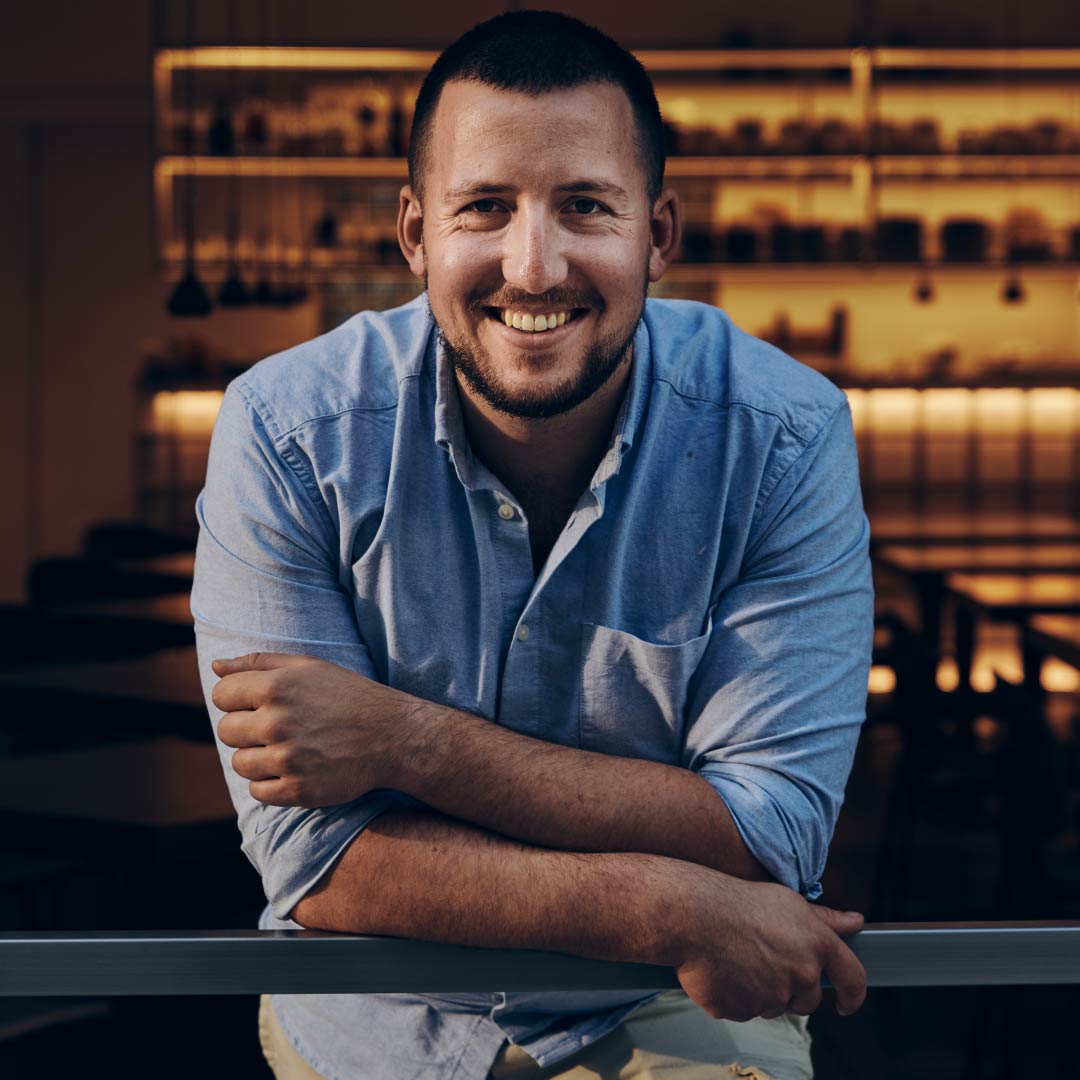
(634, 693)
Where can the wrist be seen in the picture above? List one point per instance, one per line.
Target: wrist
(693, 904)
(417, 747)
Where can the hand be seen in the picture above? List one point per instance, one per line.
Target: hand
(762, 950)
(309, 733)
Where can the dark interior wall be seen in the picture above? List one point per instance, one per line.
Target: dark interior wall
(80, 296)
(57, 44)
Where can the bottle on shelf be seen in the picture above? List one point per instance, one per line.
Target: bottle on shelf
(221, 141)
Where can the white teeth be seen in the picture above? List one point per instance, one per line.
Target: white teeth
(534, 323)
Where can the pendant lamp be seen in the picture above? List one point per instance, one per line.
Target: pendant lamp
(233, 292)
(189, 298)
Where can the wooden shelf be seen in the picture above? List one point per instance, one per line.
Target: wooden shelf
(717, 61)
(1001, 167)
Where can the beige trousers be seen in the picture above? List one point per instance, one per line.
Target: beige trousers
(669, 1038)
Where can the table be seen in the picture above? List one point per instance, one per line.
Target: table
(926, 566)
(159, 782)
(1007, 596)
(170, 609)
(180, 565)
(49, 705)
(166, 677)
(993, 556)
(1055, 635)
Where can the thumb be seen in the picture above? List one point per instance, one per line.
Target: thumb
(256, 661)
(840, 922)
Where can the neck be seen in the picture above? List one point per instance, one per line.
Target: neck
(560, 453)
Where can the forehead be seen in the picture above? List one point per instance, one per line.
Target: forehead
(479, 129)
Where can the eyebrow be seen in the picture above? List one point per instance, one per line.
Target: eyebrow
(576, 187)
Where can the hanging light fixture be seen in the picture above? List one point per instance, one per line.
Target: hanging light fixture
(1013, 291)
(264, 292)
(189, 298)
(924, 286)
(233, 292)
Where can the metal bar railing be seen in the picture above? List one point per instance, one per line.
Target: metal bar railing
(316, 962)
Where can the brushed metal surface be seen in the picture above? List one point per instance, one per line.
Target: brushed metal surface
(311, 961)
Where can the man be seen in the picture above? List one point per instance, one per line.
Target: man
(555, 609)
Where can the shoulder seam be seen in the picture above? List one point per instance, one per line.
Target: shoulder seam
(805, 440)
(250, 389)
(288, 454)
(825, 425)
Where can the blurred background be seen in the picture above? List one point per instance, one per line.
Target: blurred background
(889, 190)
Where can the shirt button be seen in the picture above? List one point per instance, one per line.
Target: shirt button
(506, 511)
(523, 632)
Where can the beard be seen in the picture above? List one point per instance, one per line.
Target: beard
(602, 360)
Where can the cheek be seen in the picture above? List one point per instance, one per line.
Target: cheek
(458, 268)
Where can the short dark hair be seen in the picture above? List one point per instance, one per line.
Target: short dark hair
(534, 52)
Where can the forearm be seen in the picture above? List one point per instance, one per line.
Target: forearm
(562, 797)
(420, 875)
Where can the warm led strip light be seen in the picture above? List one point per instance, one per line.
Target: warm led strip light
(678, 60)
(73, 963)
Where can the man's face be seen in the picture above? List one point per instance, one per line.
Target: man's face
(535, 205)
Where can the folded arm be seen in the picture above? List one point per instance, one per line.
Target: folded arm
(562, 797)
(772, 720)
(418, 874)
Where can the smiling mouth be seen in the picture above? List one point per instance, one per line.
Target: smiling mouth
(530, 323)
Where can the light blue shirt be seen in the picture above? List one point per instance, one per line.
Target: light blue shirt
(708, 605)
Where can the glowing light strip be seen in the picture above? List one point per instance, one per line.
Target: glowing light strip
(378, 59)
(419, 60)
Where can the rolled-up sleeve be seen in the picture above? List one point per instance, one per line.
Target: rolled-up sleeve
(778, 699)
(266, 581)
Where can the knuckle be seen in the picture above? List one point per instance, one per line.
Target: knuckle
(278, 685)
(277, 727)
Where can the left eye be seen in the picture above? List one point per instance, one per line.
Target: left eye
(587, 204)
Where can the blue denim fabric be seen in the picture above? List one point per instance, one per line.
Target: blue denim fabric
(708, 605)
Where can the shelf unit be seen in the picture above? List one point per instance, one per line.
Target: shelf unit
(992, 152)
(856, 80)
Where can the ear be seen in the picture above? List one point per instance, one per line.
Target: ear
(410, 230)
(665, 232)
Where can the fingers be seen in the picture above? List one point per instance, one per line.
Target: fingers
(243, 690)
(238, 729)
(805, 1001)
(255, 764)
(844, 923)
(849, 977)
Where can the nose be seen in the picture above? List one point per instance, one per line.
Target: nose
(534, 259)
